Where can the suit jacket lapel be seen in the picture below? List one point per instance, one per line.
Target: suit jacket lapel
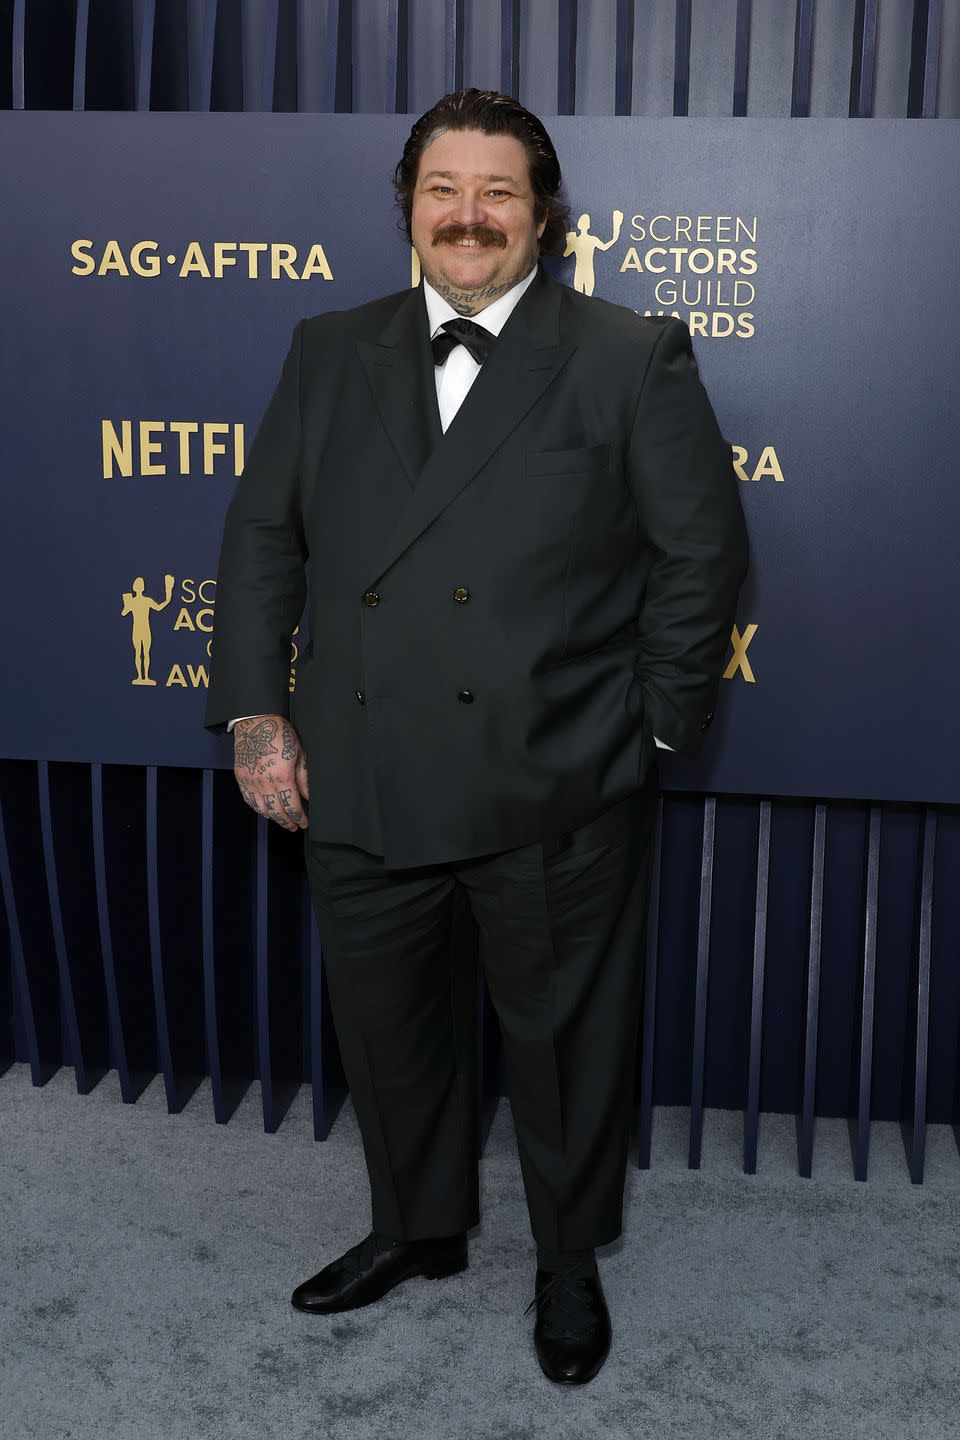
(528, 357)
(400, 371)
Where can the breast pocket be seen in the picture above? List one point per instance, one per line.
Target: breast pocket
(584, 460)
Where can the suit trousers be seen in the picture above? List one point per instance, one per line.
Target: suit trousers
(561, 933)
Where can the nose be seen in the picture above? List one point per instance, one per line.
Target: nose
(469, 209)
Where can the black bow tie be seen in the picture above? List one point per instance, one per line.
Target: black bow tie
(472, 337)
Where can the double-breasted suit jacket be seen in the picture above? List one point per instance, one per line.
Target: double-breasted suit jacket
(499, 617)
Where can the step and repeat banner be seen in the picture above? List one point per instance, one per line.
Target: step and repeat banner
(154, 267)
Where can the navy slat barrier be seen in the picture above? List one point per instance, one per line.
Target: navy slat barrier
(201, 33)
(917, 1130)
(259, 49)
(399, 57)
(703, 978)
(156, 945)
(453, 42)
(931, 66)
(20, 979)
(802, 59)
(81, 29)
(863, 77)
(861, 1152)
(74, 1041)
(118, 1044)
(510, 47)
(681, 59)
(805, 1125)
(751, 1119)
(650, 997)
(208, 947)
(623, 58)
(144, 16)
(741, 58)
(567, 58)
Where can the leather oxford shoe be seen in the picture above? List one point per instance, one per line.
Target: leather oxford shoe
(368, 1270)
(572, 1332)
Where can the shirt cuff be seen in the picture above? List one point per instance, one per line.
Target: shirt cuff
(662, 746)
(231, 723)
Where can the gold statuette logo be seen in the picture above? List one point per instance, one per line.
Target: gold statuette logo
(139, 606)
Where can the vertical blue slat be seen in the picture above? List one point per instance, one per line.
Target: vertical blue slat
(259, 52)
(567, 58)
(623, 58)
(919, 1136)
(156, 948)
(56, 925)
(208, 951)
(143, 21)
(201, 29)
(118, 1043)
(802, 60)
(741, 58)
(681, 58)
(751, 1119)
(861, 1153)
(21, 984)
(931, 67)
(650, 998)
(806, 1119)
(19, 25)
(398, 48)
(510, 47)
(261, 933)
(863, 79)
(703, 976)
(80, 31)
(453, 36)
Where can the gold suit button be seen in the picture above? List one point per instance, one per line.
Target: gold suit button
(466, 697)
(371, 598)
(461, 594)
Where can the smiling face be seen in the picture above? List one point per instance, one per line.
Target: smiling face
(472, 219)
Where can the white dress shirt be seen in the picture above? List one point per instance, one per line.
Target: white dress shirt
(458, 372)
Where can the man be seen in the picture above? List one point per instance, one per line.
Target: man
(519, 542)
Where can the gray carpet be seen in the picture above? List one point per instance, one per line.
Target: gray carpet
(147, 1261)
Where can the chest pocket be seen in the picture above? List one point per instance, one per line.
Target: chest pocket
(585, 460)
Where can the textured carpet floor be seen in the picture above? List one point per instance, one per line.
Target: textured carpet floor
(146, 1262)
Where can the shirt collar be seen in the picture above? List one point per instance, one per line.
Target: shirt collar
(493, 317)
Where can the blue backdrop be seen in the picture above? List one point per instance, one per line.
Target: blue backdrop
(161, 262)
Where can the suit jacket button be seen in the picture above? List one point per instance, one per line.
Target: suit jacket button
(461, 594)
(371, 598)
(466, 696)
(360, 697)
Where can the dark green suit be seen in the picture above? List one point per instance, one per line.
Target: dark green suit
(584, 498)
(500, 620)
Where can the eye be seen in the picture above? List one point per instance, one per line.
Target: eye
(443, 189)
(498, 192)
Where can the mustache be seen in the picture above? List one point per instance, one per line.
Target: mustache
(485, 234)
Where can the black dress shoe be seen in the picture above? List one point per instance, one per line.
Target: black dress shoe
(572, 1333)
(374, 1266)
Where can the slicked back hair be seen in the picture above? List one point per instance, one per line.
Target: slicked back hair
(491, 113)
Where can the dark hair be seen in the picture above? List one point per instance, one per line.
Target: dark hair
(491, 113)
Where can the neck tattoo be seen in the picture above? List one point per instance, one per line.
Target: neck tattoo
(470, 302)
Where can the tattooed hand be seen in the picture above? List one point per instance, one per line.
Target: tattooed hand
(271, 769)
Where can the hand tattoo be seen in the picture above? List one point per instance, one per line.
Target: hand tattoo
(251, 745)
(289, 742)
